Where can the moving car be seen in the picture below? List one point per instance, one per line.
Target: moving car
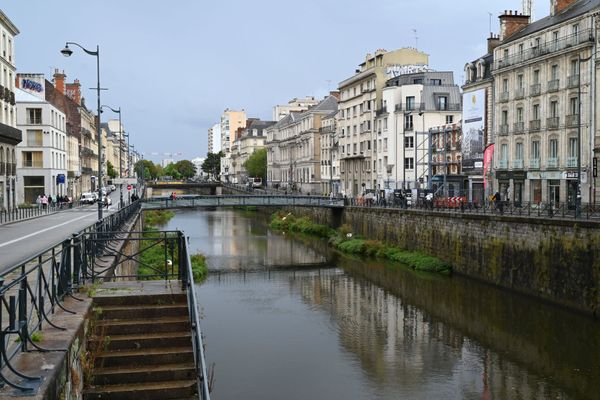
(88, 198)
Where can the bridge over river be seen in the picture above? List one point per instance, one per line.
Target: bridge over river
(192, 201)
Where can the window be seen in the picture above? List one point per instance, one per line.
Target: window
(408, 122)
(505, 54)
(34, 116)
(354, 147)
(504, 117)
(505, 85)
(573, 150)
(410, 103)
(536, 76)
(385, 124)
(536, 112)
(554, 109)
(385, 142)
(408, 163)
(574, 67)
(520, 81)
(535, 150)
(519, 151)
(34, 138)
(442, 103)
(436, 82)
(553, 148)
(504, 152)
(554, 72)
(573, 106)
(418, 81)
(521, 49)
(449, 119)
(409, 142)
(520, 114)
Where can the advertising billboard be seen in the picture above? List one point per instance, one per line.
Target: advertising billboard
(472, 132)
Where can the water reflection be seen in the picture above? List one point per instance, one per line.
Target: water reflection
(374, 331)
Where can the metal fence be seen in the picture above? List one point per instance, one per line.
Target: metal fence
(186, 201)
(18, 214)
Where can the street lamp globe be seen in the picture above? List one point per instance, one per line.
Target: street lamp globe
(66, 51)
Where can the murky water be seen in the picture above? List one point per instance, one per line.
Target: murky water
(287, 319)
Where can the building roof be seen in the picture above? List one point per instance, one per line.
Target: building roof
(22, 96)
(8, 23)
(576, 9)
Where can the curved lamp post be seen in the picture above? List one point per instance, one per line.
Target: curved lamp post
(67, 52)
(121, 134)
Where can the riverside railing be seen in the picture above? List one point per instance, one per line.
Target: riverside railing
(34, 289)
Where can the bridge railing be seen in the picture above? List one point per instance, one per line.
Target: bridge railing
(240, 201)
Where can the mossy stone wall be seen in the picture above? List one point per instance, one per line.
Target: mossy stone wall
(552, 259)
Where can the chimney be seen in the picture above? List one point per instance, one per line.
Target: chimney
(557, 6)
(492, 42)
(335, 93)
(59, 81)
(511, 23)
(74, 91)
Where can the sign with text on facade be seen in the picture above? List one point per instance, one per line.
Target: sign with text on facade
(33, 84)
(472, 132)
(488, 158)
(397, 70)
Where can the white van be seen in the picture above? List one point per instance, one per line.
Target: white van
(88, 198)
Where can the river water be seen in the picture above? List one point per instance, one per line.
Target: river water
(286, 318)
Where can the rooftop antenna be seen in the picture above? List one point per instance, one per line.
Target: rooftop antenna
(490, 14)
(416, 39)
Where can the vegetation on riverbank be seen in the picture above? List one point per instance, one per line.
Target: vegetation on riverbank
(152, 261)
(345, 241)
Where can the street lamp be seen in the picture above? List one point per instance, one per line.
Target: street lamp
(67, 53)
(120, 138)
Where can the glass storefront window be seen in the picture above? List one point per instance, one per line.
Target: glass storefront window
(536, 191)
(554, 191)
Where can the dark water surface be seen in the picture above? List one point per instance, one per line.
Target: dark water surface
(286, 319)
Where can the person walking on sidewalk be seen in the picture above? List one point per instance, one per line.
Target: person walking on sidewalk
(44, 201)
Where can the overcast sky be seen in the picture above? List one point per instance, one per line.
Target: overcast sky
(174, 66)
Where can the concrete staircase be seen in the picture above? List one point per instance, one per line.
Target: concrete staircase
(143, 348)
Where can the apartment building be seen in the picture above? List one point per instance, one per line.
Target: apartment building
(360, 98)
(544, 82)
(249, 140)
(10, 136)
(231, 121)
(330, 161)
(294, 148)
(298, 104)
(214, 138)
(412, 105)
(42, 156)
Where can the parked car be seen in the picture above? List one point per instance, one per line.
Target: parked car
(112, 188)
(88, 198)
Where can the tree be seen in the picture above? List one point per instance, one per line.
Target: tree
(256, 164)
(171, 170)
(146, 169)
(110, 170)
(186, 168)
(212, 164)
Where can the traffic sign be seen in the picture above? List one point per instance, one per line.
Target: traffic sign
(129, 187)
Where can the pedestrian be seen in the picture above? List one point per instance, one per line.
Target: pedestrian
(44, 201)
(50, 201)
(38, 201)
(498, 202)
(106, 202)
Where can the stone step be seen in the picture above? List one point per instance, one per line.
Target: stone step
(132, 358)
(141, 311)
(143, 391)
(125, 300)
(110, 327)
(146, 373)
(143, 341)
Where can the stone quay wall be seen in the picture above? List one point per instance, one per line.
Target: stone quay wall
(555, 260)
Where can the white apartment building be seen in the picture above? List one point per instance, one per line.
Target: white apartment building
(360, 97)
(412, 105)
(544, 105)
(231, 121)
(42, 155)
(214, 138)
(294, 148)
(295, 105)
(9, 135)
(249, 140)
(330, 161)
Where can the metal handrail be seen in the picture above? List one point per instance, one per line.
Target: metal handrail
(187, 278)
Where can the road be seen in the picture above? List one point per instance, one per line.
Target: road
(21, 240)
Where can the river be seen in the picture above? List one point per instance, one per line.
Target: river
(287, 318)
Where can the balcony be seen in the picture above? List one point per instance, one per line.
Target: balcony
(552, 163)
(519, 127)
(535, 89)
(503, 164)
(504, 96)
(585, 36)
(28, 164)
(535, 125)
(520, 93)
(408, 107)
(534, 163)
(517, 164)
(503, 130)
(573, 81)
(448, 107)
(86, 171)
(553, 85)
(10, 135)
(382, 110)
(573, 121)
(571, 162)
(552, 123)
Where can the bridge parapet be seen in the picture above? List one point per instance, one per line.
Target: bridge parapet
(191, 201)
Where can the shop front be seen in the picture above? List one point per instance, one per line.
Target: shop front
(511, 185)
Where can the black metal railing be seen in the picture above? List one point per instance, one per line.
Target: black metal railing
(241, 201)
(23, 213)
